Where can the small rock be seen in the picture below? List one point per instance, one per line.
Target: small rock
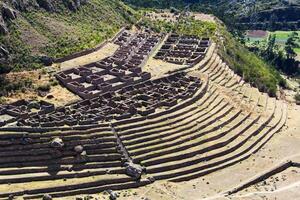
(3, 29)
(3, 51)
(133, 170)
(47, 197)
(151, 179)
(57, 143)
(8, 13)
(78, 149)
(112, 195)
(83, 153)
(50, 96)
(11, 197)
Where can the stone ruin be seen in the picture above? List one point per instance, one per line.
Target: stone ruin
(176, 128)
(183, 49)
(133, 100)
(115, 72)
(20, 110)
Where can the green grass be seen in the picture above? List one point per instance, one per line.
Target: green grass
(64, 32)
(297, 50)
(186, 26)
(245, 63)
(283, 35)
(281, 38)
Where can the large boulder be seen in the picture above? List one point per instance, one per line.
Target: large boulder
(4, 52)
(57, 143)
(112, 195)
(47, 61)
(47, 197)
(46, 4)
(133, 170)
(3, 29)
(78, 149)
(8, 13)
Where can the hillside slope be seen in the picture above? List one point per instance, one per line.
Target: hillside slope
(260, 14)
(55, 28)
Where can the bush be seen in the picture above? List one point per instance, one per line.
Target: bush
(297, 98)
(44, 88)
(248, 65)
(7, 86)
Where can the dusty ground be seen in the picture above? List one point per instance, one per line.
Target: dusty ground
(165, 15)
(104, 52)
(60, 95)
(204, 17)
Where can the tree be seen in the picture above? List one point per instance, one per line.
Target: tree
(270, 48)
(290, 44)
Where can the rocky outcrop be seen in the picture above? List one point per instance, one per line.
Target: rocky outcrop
(46, 4)
(8, 13)
(134, 170)
(57, 143)
(3, 29)
(9, 8)
(74, 4)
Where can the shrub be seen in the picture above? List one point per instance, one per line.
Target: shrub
(44, 87)
(297, 98)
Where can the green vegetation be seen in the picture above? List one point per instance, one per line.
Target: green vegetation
(38, 32)
(7, 86)
(245, 63)
(44, 87)
(281, 52)
(258, 14)
(186, 26)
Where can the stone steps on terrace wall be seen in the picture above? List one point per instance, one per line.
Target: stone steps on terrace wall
(94, 190)
(68, 144)
(68, 141)
(61, 186)
(66, 133)
(195, 151)
(214, 69)
(217, 72)
(63, 174)
(213, 61)
(265, 135)
(145, 162)
(166, 134)
(176, 133)
(139, 121)
(181, 122)
(132, 153)
(64, 153)
(56, 168)
(186, 165)
(202, 132)
(63, 161)
(147, 123)
(63, 158)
